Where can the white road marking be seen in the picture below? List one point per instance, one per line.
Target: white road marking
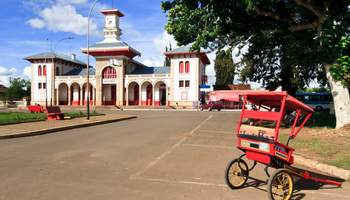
(170, 149)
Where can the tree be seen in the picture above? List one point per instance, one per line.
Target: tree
(167, 60)
(224, 67)
(18, 89)
(289, 42)
(341, 70)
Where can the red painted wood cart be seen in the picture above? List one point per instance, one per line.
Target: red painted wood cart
(257, 131)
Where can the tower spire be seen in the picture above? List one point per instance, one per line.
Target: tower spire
(112, 31)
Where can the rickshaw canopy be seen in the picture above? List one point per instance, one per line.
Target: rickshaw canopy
(272, 99)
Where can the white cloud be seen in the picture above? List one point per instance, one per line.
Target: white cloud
(163, 40)
(63, 18)
(153, 62)
(36, 23)
(27, 72)
(155, 55)
(65, 2)
(5, 74)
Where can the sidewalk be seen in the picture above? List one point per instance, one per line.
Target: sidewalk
(44, 127)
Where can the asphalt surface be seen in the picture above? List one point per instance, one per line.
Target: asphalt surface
(160, 155)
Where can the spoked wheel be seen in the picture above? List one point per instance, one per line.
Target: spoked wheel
(237, 173)
(280, 185)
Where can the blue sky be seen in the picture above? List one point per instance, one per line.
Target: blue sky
(27, 24)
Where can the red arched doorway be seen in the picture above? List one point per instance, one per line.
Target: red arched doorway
(109, 86)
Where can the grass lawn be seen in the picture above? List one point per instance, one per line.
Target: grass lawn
(16, 117)
(19, 117)
(75, 114)
(322, 142)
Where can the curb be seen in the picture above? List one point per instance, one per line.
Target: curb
(69, 127)
(332, 170)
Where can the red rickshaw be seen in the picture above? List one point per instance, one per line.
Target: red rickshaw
(263, 113)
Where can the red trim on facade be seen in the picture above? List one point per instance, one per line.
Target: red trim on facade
(75, 103)
(187, 67)
(44, 70)
(113, 52)
(112, 11)
(39, 70)
(181, 67)
(202, 55)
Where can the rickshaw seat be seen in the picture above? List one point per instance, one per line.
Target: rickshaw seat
(257, 131)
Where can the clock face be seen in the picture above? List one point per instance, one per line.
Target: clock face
(110, 22)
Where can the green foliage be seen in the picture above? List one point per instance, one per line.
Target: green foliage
(340, 71)
(288, 42)
(224, 67)
(76, 114)
(16, 117)
(18, 89)
(167, 60)
(319, 89)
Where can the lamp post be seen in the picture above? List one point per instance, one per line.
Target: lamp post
(53, 61)
(88, 61)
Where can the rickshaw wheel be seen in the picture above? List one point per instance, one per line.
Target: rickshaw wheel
(280, 185)
(237, 173)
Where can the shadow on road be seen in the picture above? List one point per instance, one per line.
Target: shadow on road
(300, 184)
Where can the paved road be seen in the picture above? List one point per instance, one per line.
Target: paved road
(160, 155)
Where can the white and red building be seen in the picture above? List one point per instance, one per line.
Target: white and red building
(117, 79)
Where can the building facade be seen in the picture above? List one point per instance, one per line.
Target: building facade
(117, 79)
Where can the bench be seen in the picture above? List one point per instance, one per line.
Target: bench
(35, 109)
(54, 113)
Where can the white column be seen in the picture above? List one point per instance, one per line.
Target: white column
(127, 96)
(153, 95)
(140, 95)
(80, 95)
(93, 96)
(69, 96)
(57, 97)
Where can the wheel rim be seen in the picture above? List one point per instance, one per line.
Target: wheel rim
(237, 174)
(282, 186)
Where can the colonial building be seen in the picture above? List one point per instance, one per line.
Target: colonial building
(117, 79)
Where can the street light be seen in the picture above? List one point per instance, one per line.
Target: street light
(88, 61)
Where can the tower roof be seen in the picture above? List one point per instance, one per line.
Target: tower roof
(112, 11)
(52, 55)
(186, 50)
(112, 49)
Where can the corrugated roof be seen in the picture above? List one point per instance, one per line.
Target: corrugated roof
(80, 72)
(109, 45)
(183, 49)
(51, 55)
(151, 70)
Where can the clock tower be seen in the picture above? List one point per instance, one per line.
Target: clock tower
(111, 30)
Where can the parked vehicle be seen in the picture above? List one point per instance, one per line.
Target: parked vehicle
(212, 105)
(317, 100)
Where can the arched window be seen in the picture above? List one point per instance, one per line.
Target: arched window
(109, 72)
(181, 67)
(187, 67)
(39, 70)
(44, 70)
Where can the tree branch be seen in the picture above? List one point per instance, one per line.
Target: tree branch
(301, 27)
(314, 8)
(266, 13)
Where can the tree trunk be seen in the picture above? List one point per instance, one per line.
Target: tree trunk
(341, 100)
